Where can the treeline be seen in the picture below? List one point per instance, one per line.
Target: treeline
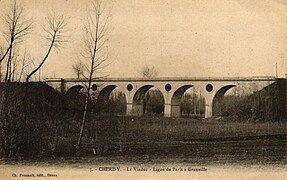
(153, 104)
(267, 104)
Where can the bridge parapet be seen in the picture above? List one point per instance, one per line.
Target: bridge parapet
(177, 79)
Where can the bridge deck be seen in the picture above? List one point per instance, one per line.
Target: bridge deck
(170, 79)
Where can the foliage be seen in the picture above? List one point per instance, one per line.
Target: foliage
(192, 104)
(268, 104)
(20, 138)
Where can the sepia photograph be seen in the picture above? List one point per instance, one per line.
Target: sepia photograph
(143, 89)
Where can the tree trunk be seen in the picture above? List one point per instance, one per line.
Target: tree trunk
(83, 121)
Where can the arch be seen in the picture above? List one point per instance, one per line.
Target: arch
(140, 103)
(74, 89)
(139, 95)
(111, 106)
(105, 92)
(75, 101)
(176, 99)
(217, 99)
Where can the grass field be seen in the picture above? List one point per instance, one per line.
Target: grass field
(177, 141)
(104, 134)
(137, 129)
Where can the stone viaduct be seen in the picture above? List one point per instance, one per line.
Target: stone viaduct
(172, 89)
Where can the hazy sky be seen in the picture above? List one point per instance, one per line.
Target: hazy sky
(178, 37)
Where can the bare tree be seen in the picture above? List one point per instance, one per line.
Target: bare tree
(18, 27)
(149, 72)
(54, 31)
(94, 51)
(1, 51)
(1, 54)
(78, 68)
(14, 67)
(23, 65)
(54, 34)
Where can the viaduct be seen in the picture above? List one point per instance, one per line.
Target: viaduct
(172, 89)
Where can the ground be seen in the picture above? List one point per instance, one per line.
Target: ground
(181, 142)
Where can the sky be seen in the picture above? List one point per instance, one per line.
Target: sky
(180, 38)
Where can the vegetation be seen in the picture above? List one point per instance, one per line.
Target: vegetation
(21, 124)
(20, 138)
(268, 104)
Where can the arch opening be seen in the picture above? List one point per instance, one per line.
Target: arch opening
(110, 101)
(75, 100)
(148, 101)
(192, 103)
(186, 101)
(219, 103)
(74, 89)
